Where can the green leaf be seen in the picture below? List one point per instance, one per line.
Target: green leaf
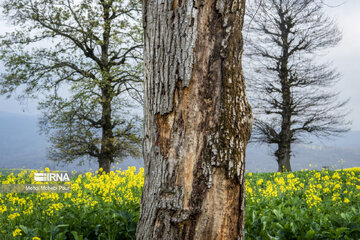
(279, 225)
(76, 236)
(278, 214)
(24, 229)
(340, 230)
(62, 226)
(310, 234)
(60, 236)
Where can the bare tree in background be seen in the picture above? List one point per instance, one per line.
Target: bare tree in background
(290, 91)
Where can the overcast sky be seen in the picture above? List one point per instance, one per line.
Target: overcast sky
(346, 58)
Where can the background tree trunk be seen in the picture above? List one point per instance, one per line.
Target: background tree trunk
(283, 157)
(106, 156)
(197, 121)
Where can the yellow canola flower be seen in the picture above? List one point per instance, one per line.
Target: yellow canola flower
(290, 175)
(336, 176)
(3, 209)
(13, 216)
(356, 169)
(17, 232)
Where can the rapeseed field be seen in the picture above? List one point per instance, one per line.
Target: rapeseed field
(298, 205)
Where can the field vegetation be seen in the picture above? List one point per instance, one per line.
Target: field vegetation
(299, 205)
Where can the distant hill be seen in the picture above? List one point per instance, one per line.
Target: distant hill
(20, 143)
(21, 146)
(334, 153)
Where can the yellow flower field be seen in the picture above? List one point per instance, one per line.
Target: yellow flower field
(299, 205)
(96, 203)
(303, 205)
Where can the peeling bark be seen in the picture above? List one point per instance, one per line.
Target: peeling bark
(197, 121)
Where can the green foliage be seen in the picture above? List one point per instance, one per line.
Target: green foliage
(303, 205)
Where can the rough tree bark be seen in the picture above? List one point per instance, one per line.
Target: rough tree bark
(106, 156)
(197, 121)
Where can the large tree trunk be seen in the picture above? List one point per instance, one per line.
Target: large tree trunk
(197, 121)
